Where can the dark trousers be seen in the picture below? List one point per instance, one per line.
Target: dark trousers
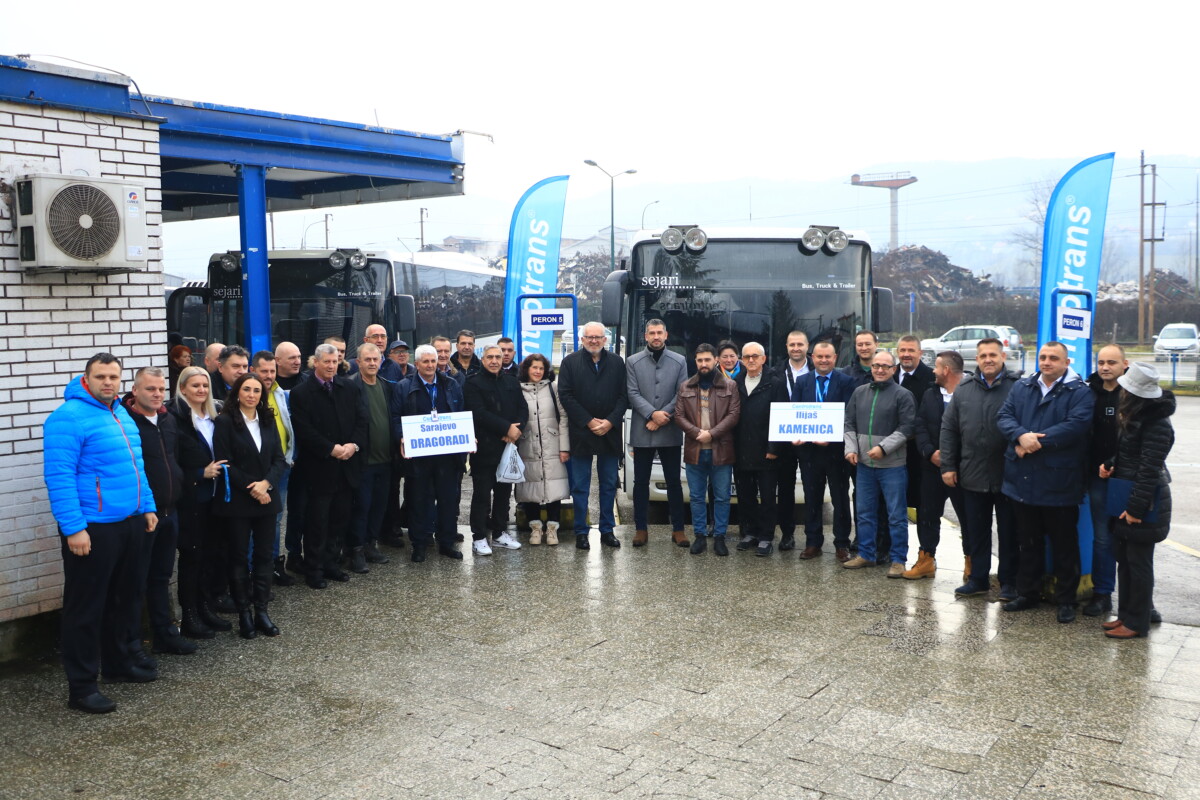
(297, 505)
(436, 490)
(243, 530)
(977, 537)
(533, 511)
(816, 472)
(158, 576)
(1135, 582)
(97, 592)
(327, 520)
(643, 462)
(934, 494)
(394, 516)
(370, 504)
(195, 539)
(1037, 525)
(756, 502)
(489, 501)
(785, 492)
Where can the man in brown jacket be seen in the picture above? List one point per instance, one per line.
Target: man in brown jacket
(707, 408)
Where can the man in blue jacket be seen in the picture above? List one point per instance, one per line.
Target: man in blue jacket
(102, 502)
(1046, 420)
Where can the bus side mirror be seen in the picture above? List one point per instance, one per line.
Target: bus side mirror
(406, 313)
(882, 308)
(615, 287)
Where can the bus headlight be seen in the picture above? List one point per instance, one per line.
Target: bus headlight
(358, 261)
(813, 239)
(671, 239)
(696, 240)
(229, 262)
(337, 260)
(836, 241)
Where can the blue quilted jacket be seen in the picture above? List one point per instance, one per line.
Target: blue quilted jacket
(93, 462)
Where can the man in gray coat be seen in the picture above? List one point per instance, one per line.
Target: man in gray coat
(973, 459)
(652, 381)
(879, 421)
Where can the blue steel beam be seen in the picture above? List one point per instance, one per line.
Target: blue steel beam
(256, 290)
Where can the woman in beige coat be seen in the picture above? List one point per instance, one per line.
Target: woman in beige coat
(544, 448)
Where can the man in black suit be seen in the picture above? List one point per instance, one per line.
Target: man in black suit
(331, 429)
(789, 373)
(756, 470)
(916, 376)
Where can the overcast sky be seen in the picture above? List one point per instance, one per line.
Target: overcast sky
(687, 94)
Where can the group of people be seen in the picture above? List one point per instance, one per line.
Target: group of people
(205, 461)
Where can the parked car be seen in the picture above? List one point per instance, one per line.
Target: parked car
(964, 338)
(1180, 339)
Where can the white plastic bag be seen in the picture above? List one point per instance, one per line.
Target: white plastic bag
(511, 468)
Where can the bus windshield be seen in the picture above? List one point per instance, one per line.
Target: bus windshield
(751, 290)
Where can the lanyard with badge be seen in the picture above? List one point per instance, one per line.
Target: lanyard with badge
(432, 388)
(820, 392)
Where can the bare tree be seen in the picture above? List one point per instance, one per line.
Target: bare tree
(1030, 237)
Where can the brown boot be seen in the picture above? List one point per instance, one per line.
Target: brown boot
(924, 568)
(680, 538)
(966, 568)
(639, 538)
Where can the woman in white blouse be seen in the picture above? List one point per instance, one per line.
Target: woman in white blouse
(246, 440)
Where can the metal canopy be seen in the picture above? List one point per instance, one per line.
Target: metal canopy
(310, 163)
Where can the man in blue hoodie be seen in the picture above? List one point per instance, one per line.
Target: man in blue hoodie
(102, 502)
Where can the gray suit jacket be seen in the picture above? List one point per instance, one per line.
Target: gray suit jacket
(652, 386)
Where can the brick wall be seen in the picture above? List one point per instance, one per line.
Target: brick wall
(51, 323)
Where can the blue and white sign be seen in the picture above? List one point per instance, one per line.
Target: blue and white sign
(533, 243)
(546, 319)
(1073, 323)
(807, 422)
(438, 434)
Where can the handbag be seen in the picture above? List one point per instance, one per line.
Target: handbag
(1117, 500)
(511, 468)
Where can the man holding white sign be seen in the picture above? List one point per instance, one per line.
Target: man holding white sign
(435, 436)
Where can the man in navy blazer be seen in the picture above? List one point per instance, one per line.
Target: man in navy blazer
(824, 462)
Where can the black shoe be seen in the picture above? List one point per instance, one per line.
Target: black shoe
(1007, 593)
(1099, 605)
(610, 540)
(94, 703)
(246, 625)
(335, 574)
(581, 542)
(223, 605)
(142, 659)
(395, 540)
(316, 582)
(1066, 613)
(373, 555)
(358, 561)
(458, 537)
(210, 618)
(133, 674)
(263, 623)
(719, 546)
(1021, 604)
(449, 552)
(280, 574)
(764, 549)
(193, 627)
(746, 542)
(172, 642)
(787, 543)
(418, 554)
(1155, 617)
(294, 563)
(699, 546)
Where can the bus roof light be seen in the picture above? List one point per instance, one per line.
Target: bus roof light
(813, 239)
(230, 262)
(696, 240)
(671, 239)
(837, 241)
(337, 259)
(358, 260)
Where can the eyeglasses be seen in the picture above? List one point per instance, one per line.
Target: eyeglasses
(752, 355)
(883, 366)
(593, 338)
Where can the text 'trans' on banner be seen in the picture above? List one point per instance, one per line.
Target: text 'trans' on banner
(1071, 249)
(533, 244)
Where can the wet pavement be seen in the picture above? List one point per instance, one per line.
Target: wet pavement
(553, 673)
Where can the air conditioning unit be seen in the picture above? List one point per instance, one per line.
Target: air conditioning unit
(69, 223)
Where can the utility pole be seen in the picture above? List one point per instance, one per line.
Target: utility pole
(424, 213)
(1142, 250)
(1196, 245)
(1154, 204)
(894, 181)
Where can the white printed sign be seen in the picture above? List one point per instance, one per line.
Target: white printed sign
(430, 435)
(1073, 323)
(807, 422)
(547, 319)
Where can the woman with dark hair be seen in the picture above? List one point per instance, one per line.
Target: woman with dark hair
(247, 439)
(727, 357)
(200, 545)
(179, 359)
(545, 448)
(1139, 484)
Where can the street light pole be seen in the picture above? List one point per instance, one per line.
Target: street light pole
(652, 202)
(612, 210)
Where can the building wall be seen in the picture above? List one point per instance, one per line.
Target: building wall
(50, 324)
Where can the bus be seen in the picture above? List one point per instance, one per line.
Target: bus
(321, 293)
(743, 285)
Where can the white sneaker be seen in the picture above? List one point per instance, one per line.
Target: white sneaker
(507, 542)
(481, 547)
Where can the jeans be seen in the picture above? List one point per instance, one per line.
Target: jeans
(699, 477)
(370, 503)
(643, 461)
(1104, 563)
(892, 483)
(282, 492)
(581, 485)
